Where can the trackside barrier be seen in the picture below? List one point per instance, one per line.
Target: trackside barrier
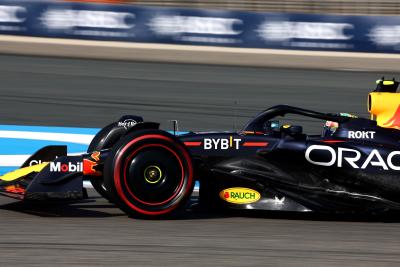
(200, 27)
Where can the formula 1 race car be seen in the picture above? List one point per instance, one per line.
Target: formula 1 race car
(353, 166)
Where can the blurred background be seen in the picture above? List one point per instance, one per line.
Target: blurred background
(211, 65)
(217, 88)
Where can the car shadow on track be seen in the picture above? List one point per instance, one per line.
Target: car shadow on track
(198, 212)
(285, 215)
(93, 207)
(97, 207)
(85, 208)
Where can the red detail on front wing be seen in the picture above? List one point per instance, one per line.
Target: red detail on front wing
(15, 189)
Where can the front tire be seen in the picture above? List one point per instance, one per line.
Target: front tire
(149, 174)
(104, 139)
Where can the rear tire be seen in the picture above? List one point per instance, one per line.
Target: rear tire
(149, 174)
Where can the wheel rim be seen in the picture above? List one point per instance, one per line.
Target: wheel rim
(168, 205)
(165, 162)
(153, 174)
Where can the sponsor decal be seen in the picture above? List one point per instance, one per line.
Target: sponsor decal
(13, 17)
(309, 32)
(35, 162)
(285, 30)
(221, 143)
(361, 134)
(90, 164)
(105, 24)
(352, 157)
(224, 143)
(62, 19)
(171, 25)
(385, 35)
(239, 195)
(66, 167)
(12, 14)
(190, 28)
(128, 123)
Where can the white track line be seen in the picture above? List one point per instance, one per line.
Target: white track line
(45, 136)
(12, 160)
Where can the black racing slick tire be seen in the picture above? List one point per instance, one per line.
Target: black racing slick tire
(149, 174)
(104, 139)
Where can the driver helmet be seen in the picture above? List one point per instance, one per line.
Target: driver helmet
(330, 127)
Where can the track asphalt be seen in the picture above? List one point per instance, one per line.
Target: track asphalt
(90, 93)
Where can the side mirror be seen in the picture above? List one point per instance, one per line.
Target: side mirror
(270, 126)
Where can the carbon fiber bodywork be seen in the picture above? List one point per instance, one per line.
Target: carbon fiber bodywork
(338, 175)
(262, 167)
